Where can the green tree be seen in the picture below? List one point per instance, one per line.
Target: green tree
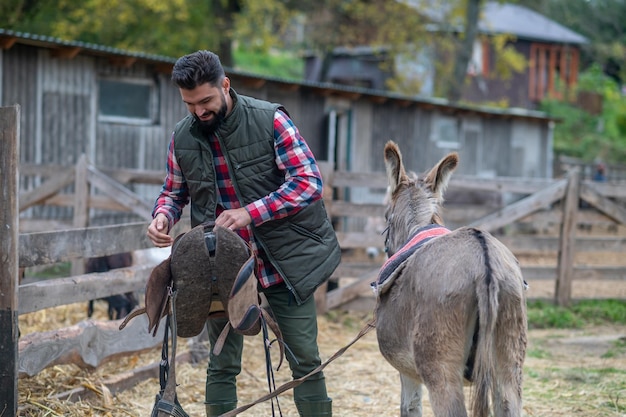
(587, 136)
(169, 28)
(222, 14)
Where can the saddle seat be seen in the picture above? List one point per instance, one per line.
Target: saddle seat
(211, 269)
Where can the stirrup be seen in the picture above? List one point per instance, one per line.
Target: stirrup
(163, 406)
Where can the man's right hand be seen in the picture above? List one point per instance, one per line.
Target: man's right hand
(158, 229)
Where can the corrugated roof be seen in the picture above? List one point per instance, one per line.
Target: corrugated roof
(525, 23)
(498, 17)
(41, 40)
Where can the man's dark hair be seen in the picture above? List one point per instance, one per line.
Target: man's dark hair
(198, 68)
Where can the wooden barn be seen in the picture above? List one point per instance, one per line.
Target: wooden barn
(118, 108)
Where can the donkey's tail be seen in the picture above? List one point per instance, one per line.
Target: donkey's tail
(487, 292)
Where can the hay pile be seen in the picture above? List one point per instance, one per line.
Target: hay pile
(360, 381)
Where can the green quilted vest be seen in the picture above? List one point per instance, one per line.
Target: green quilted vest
(303, 247)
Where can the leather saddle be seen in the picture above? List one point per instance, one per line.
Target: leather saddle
(211, 268)
(209, 274)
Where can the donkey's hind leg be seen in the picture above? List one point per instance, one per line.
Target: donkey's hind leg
(506, 404)
(446, 396)
(410, 397)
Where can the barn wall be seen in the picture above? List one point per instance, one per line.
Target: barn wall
(19, 86)
(363, 148)
(309, 116)
(67, 113)
(487, 147)
(528, 147)
(142, 146)
(60, 121)
(305, 108)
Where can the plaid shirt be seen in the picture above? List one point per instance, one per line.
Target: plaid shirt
(302, 186)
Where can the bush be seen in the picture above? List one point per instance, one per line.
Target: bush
(544, 315)
(585, 136)
(280, 65)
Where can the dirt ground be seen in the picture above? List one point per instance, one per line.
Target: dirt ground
(574, 373)
(567, 373)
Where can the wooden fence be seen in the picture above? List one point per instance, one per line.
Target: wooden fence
(89, 343)
(545, 203)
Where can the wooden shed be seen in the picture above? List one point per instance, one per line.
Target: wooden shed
(119, 108)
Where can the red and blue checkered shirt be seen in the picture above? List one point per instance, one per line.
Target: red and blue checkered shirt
(302, 186)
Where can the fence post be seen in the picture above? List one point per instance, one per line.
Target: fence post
(9, 284)
(567, 241)
(81, 206)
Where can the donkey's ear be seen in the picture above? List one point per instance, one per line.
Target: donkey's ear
(440, 174)
(393, 166)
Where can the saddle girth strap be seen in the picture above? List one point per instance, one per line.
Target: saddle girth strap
(167, 402)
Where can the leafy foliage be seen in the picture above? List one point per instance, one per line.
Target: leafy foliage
(281, 65)
(263, 25)
(508, 60)
(168, 28)
(586, 136)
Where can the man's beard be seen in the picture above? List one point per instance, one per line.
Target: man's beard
(210, 126)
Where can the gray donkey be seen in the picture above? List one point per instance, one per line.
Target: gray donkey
(451, 305)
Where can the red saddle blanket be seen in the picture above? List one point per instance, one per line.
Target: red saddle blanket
(422, 236)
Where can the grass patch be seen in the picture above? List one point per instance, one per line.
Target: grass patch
(616, 403)
(601, 311)
(538, 353)
(574, 391)
(618, 349)
(581, 376)
(281, 65)
(544, 315)
(531, 373)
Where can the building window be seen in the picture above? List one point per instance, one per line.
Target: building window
(478, 64)
(127, 101)
(446, 132)
(553, 70)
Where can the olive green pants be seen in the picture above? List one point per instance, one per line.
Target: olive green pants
(298, 324)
